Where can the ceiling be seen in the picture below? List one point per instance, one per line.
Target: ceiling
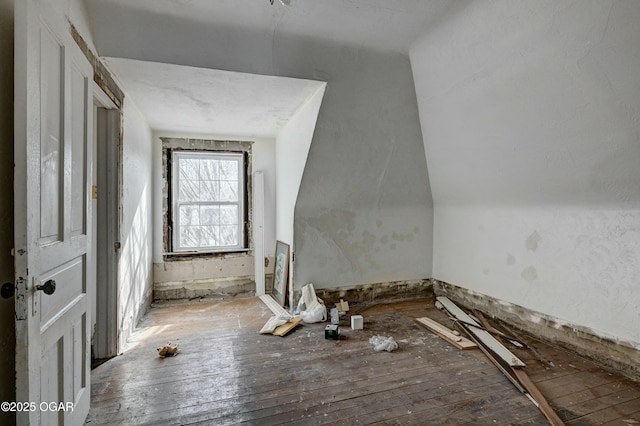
(376, 24)
(200, 100)
(197, 100)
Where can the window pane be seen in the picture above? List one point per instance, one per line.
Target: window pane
(228, 190)
(209, 169)
(228, 170)
(209, 190)
(208, 200)
(188, 168)
(228, 215)
(189, 215)
(209, 215)
(228, 235)
(189, 236)
(209, 236)
(189, 190)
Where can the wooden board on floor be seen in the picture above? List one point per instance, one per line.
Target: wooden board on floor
(287, 327)
(485, 337)
(459, 342)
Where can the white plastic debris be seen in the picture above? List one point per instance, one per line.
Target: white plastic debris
(273, 323)
(314, 308)
(383, 343)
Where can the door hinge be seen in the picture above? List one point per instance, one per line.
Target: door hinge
(117, 246)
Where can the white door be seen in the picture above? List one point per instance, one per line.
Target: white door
(53, 161)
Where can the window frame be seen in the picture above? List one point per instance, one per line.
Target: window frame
(175, 156)
(173, 143)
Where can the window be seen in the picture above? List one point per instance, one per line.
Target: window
(208, 207)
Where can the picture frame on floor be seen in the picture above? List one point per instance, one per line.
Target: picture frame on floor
(280, 280)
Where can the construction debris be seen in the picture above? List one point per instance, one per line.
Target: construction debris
(280, 325)
(332, 332)
(450, 336)
(287, 327)
(310, 307)
(273, 323)
(168, 350)
(343, 307)
(509, 364)
(357, 322)
(478, 333)
(383, 343)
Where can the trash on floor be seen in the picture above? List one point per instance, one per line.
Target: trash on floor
(342, 306)
(273, 323)
(335, 316)
(447, 334)
(357, 322)
(383, 343)
(287, 327)
(168, 350)
(332, 332)
(280, 325)
(314, 308)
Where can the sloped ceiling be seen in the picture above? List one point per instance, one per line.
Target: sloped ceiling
(199, 100)
(201, 96)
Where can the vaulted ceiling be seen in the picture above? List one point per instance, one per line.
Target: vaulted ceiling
(177, 96)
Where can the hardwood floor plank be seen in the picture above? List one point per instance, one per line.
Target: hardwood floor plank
(228, 374)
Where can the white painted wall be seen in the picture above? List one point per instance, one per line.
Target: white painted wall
(263, 159)
(364, 211)
(7, 326)
(136, 234)
(529, 112)
(292, 148)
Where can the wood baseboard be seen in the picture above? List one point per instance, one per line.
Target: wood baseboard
(375, 293)
(621, 356)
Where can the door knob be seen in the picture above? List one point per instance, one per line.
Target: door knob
(48, 287)
(7, 290)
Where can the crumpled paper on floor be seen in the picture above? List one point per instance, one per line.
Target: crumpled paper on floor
(383, 343)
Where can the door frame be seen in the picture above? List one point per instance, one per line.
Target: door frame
(109, 195)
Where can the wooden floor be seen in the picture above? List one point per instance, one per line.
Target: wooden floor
(228, 374)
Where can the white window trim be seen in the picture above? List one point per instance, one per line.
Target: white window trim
(176, 156)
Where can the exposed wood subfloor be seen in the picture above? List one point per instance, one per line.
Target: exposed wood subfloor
(227, 374)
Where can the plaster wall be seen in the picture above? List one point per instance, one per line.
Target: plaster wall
(364, 211)
(292, 148)
(7, 326)
(135, 263)
(231, 266)
(529, 113)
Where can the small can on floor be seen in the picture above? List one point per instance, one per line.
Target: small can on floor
(331, 332)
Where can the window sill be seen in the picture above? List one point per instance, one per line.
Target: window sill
(186, 255)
